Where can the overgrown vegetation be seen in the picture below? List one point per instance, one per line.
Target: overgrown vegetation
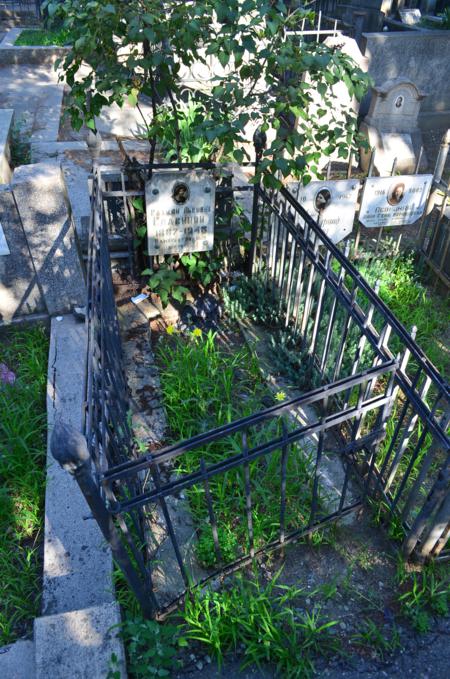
(403, 289)
(22, 477)
(261, 623)
(205, 386)
(258, 301)
(262, 77)
(40, 37)
(151, 648)
(423, 594)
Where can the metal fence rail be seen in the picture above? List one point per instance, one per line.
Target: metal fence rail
(323, 296)
(380, 397)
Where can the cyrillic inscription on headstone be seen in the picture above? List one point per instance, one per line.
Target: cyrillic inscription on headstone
(394, 201)
(180, 212)
(4, 249)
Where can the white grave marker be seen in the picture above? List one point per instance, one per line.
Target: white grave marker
(4, 249)
(331, 203)
(180, 212)
(394, 201)
(411, 17)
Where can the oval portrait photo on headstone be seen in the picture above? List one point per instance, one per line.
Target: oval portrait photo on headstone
(180, 193)
(396, 193)
(322, 199)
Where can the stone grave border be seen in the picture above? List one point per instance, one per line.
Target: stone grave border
(6, 125)
(15, 54)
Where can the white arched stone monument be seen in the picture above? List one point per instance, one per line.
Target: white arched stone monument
(391, 127)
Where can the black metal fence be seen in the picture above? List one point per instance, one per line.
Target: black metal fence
(23, 7)
(345, 326)
(380, 397)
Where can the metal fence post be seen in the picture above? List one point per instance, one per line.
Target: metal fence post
(259, 141)
(437, 178)
(69, 448)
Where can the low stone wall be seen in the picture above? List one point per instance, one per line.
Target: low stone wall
(14, 54)
(422, 57)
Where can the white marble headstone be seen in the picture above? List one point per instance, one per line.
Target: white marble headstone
(180, 212)
(392, 128)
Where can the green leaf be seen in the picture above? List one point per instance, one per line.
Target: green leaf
(223, 58)
(138, 203)
(133, 97)
(80, 43)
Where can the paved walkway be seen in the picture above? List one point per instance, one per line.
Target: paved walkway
(35, 95)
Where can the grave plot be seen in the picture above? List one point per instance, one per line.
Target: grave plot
(249, 465)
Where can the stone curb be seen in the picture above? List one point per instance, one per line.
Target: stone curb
(6, 125)
(78, 600)
(17, 660)
(12, 54)
(78, 644)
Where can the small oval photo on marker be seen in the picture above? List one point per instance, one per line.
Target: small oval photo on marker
(396, 193)
(322, 199)
(180, 193)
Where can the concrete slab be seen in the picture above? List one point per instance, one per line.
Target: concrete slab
(17, 660)
(10, 53)
(45, 150)
(6, 125)
(20, 293)
(77, 562)
(78, 644)
(41, 197)
(76, 177)
(10, 38)
(35, 95)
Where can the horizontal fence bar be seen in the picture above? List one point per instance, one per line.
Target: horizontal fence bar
(361, 282)
(359, 317)
(237, 460)
(170, 452)
(272, 546)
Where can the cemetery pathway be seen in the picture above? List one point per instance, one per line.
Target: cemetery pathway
(35, 95)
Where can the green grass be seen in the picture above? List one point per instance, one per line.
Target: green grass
(40, 37)
(203, 387)
(403, 289)
(260, 622)
(22, 478)
(424, 595)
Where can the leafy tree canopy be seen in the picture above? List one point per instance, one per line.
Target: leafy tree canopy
(264, 76)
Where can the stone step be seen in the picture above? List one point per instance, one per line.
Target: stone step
(78, 644)
(17, 660)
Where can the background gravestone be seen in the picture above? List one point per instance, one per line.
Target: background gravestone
(391, 127)
(19, 290)
(42, 202)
